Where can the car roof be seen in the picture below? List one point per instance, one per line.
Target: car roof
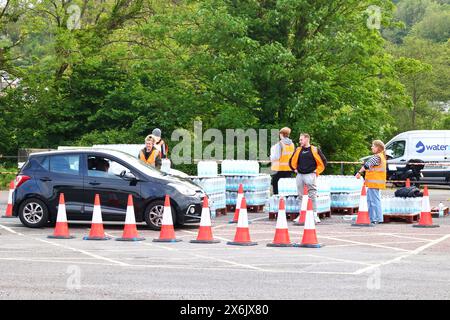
(112, 152)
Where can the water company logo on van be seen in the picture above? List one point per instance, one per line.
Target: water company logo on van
(420, 147)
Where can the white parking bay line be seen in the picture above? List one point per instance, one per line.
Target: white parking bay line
(367, 244)
(398, 259)
(67, 247)
(230, 262)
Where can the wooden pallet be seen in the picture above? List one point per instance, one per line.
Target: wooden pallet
(335, 210)
(253, 209)
(294, 215)
(408, 218)
(435, 212)
(221, 212)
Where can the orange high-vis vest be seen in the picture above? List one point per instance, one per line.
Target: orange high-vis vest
(320, 165)
(282, 164)
(376, 176)
(151, 158)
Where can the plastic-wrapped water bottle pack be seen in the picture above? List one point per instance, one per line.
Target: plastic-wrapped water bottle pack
(395, 205)
(240, 167)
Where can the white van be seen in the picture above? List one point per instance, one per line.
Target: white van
(425, 145)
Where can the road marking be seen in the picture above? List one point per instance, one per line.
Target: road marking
(11, 230)
(398, 259)
(58, 260)
(366, 244)
(230, 262)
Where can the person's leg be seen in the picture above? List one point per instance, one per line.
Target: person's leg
(370, 205)
(377, 206)
(275, 178)
(300, 185)
(311, 184)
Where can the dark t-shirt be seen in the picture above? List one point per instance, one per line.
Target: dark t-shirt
(306, 162)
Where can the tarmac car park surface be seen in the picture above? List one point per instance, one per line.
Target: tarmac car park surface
(389, 261)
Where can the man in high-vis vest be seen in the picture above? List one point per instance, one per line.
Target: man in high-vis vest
(308, 162)
(375, 177)
(150, 154)
(280, 154)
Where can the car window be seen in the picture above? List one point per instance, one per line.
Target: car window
(103, 167)
(397, 148)
(65, 164)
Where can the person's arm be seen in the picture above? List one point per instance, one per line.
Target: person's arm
(373, 161)
(293, 161)
(275, 152)
(322, 156)
(158, 161)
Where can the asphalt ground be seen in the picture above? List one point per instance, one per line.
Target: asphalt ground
(389, 261)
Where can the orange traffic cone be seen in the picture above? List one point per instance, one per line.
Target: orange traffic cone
(425, 216)
(363, 219)
(300, 221)
(309, 239)
(408, 183)
(242, 236)
(281, 238)
(9, 207)
(238, 204)
(167, 233)
(97, 232)
(61, 228)
(130, 230)
(205, 230)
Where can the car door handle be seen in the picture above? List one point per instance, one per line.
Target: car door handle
(45, 179)
(93, 183)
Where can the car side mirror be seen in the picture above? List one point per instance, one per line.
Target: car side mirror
(128, 176)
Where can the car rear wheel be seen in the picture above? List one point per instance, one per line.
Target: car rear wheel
(33, 213)
(154, 214)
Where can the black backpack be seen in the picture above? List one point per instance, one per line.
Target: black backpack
(408, 192)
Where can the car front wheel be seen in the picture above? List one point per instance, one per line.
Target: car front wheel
(154, 214)
(33, 213)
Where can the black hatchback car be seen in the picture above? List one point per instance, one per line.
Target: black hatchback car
(82, 173)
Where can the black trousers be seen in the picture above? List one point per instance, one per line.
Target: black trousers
(277, 176)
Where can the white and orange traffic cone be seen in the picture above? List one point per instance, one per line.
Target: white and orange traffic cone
(309, 239)
(97, 232)
(242, 236)
(300, 220)
(167, 233)
(9, 206)
(61, 228)
(238, 204)
(281, 238)
(205, 231)
(426, 221)
(130, 232)
(363, 219)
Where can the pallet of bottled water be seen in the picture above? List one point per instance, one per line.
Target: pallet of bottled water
(345, 200)
(395, 205)
(240, 168)
(293, 204)
(288, 186)
(252, 198)
(211, 185)
(341, 184)
(256, 183)
(217, 201)
(207, 169)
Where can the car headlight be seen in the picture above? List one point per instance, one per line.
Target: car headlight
(183, 189)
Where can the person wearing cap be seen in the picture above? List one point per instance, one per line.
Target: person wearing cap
(280, 154)
(149, 154)
(375, 180)
(308, 162)
(160, 144)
